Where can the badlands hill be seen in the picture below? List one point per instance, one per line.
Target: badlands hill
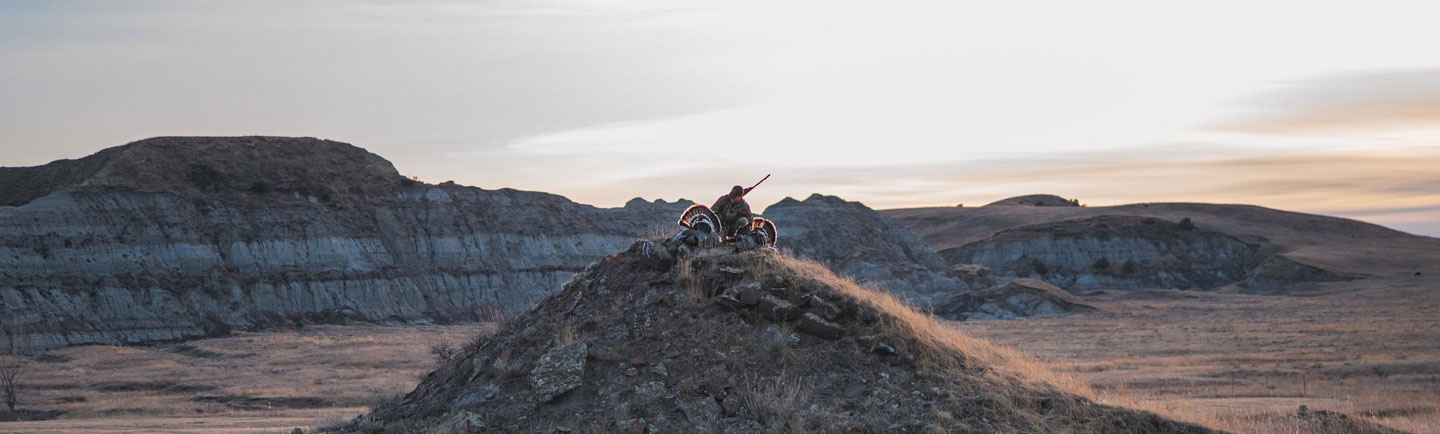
(740, 343)
(1036, 200)
(1171, 245)
(178, 237)
(880, 252)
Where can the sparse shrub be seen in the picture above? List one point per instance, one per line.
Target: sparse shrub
(444, 351)
(379, 398)
(1186, 224)
(589, 325)
(12, 362)
(261, 187)
(566, 336)
(775, 402)
(1039, 267)
(685, 275)
(1129, 267)
(491, 319)
(1102, 264)
(204, 177)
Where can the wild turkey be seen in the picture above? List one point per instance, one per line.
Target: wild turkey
(702, 231)
(766, 228)
(700, 218)
(761, 235)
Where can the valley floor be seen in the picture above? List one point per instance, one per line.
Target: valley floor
(1238, 362)
(249, 382)
(1247, 363)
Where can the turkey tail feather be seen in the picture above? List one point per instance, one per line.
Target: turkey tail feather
(699, 217)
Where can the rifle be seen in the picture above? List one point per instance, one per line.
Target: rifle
(747, 191)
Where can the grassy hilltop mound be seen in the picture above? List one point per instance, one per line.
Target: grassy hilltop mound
(748, 342)
(1035, 200)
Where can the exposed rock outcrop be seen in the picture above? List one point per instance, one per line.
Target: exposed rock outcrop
(1017, 298)
(667, 354)
(172, 238)
(1130, 252)
(1290, 251)
(1112, 252)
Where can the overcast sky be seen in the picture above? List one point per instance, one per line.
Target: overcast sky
(1326, 107)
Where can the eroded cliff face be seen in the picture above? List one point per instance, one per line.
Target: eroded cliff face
(1130, 252)
(1113, 252)
(121, 256)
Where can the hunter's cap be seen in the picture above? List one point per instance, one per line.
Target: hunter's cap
(737, 191)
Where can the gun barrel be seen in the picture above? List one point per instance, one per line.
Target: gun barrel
(767, 176)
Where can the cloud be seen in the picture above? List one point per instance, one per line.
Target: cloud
(1376, 101)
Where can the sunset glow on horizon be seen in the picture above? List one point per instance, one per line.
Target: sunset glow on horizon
(1320, 107)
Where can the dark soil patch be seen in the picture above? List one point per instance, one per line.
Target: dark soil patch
(53, 358)
(152, 386)
(192, 351)
(23, 415)
(262, 403)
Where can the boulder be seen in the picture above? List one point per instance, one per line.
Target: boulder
(558, 371)
(776, 309)
(814, 325)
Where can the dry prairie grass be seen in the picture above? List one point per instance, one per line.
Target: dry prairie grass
(270, 381)
(1015, 380)
(942, 338)
(1245, 363)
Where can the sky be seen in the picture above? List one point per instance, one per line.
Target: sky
(1313, 106)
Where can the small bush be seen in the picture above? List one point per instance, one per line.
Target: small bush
(444, 351)
(776, 403)
(1186, 224)
(1129, 267)
(1039, 267)
(589, 325)
(261, 187)
(1102, 264)
(204, 177)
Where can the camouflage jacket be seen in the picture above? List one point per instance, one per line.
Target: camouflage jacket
(728, 212)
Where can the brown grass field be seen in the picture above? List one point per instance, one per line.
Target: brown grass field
(250, 382)
(1238, 362)
(1242, 362)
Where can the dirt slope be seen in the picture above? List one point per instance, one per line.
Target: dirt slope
(749, 342)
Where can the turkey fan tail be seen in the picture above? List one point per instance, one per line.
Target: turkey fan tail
(699, 217)
(767, 227)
